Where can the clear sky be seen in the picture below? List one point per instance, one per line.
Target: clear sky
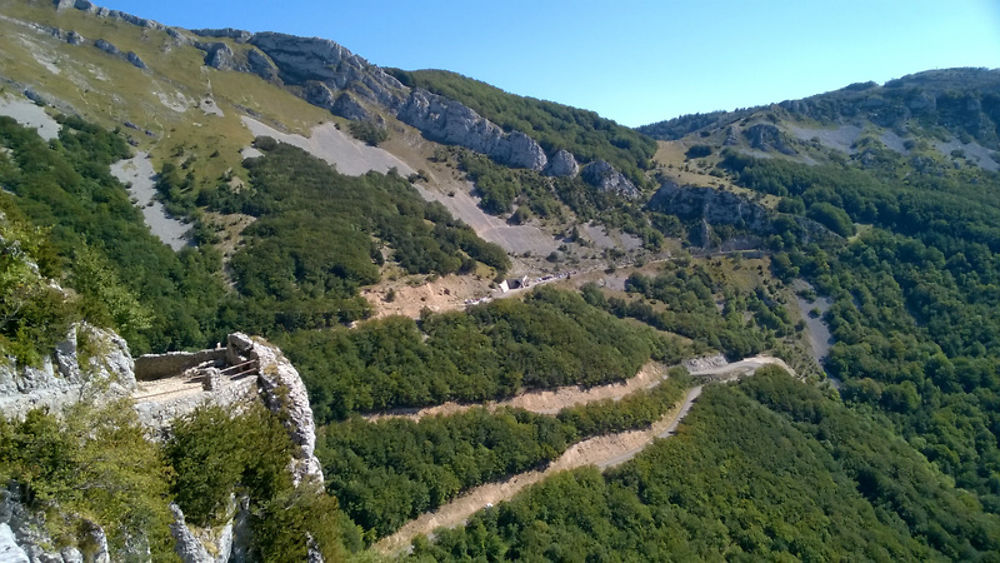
(633, 61)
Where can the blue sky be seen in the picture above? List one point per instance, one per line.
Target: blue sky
(633, 61)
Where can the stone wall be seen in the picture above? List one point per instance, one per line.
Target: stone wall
(158, 366)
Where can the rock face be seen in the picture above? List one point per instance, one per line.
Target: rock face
(300, 60)
(711, 205)
(348, 107)
(562, 163)
(447, 121)
(282, 390)
(218, 55)
(228, 32)
(22, 534)
(259, 64)
(10, 552)
(766, 137)
(604, 177)
(334, 78)
(61, 380)
(191, 549)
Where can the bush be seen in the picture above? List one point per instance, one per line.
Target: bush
(698, 151)
(369, 132)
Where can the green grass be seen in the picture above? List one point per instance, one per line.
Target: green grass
(129, 94)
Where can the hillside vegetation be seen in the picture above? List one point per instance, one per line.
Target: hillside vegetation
(895, 458)
(769, 469)
(96, 466)
(491, 351)
(962, 102)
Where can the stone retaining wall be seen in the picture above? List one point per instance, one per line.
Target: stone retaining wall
(158, 366)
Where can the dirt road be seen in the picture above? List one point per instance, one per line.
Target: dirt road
(547, 401)
(741, 368)
(602, 451)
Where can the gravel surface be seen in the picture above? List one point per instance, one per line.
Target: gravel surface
(349, 155)
(26, 113)
(138, 171)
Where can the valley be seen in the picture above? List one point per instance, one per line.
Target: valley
(264, 300)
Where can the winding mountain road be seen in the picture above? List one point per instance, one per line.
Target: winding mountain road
(604, 451)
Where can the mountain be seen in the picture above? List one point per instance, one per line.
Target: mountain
(954, 109)
(769, 333)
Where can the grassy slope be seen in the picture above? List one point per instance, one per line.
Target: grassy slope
(110, 91)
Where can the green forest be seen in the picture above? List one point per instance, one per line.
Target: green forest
(915, 298)
(767, 469)
(388, 472)
(491, 351)
(899, 461)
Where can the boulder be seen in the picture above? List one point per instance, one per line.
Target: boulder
(135, 60)
(106, 46)
(604, 177)
(562, 163)
(74, 38)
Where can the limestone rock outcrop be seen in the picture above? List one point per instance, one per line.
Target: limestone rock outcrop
(23, 536)
(227, 32)
(191, 548)
(711, 205)
(61, 379)
(326, 72)
(604, 177)
(282, 390)
(135, 60)
(106, 46)
(345, 105)
(447, 121)
(766, 137)
(218, 55)
(562, 163)
(10, 552)
(300, 60)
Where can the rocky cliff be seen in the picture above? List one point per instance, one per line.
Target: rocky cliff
(604, 177)
(105, 371)
(717, 207)
(447, 121)
(69, 374)
(330, 76)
